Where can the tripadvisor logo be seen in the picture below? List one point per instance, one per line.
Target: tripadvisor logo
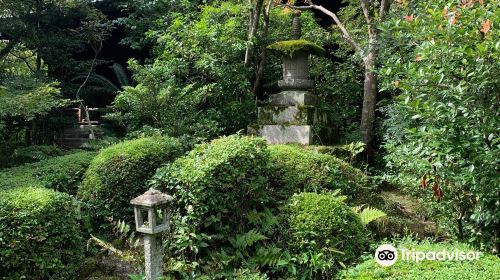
(387, 255)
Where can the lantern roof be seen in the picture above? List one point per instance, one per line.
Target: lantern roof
(151, 198)
(291, 47)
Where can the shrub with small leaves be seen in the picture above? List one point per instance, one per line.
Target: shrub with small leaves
(295, 169)
(35, 153)
(325, 232)
(40, 234)
(120, 173)
(215, 187)
(62, 173)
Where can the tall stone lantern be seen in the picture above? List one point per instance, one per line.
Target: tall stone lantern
(152, 218)
(292, 116)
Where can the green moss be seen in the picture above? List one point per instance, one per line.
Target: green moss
(292, 47)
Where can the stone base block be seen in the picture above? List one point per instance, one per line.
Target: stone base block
(293, 97)
(301, 134)
(281, 134)
(295, 83)
(292, 115)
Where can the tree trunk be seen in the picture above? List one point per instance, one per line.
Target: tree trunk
(259, 77)
(369, 103)
(253, 23)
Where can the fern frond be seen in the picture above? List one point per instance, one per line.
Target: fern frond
(242, 241)
(267, 256)
(369, 214)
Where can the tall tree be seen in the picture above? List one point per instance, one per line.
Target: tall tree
(259, 76)
(253, 24)
(52, 29)
(374, 14)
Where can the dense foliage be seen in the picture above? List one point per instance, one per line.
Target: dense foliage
(326, 231)
(243, 209)
(34, 153)
(442, 130)
(292, 47)
(40, 234)
(297, 170)
(120, 172)
(216, 187)
(230, 193)
(198, 83)
(482, 269)
(53, 31)
(63, 173)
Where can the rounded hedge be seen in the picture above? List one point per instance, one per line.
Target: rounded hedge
(40, 234)
(215, 186)
(120, 172)
(227, 176)
(485, 268)
(295, 170)
(63, 173)
(323, 223)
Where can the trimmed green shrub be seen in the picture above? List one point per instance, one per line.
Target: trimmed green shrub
(215, 188)
(120, 172)
(35, 153)
(62, 173)
(226, 177)
(40, 235)
(21, 176)
(295, 169)
(485, 268)
(326, 230)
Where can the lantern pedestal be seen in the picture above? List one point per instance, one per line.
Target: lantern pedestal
(152, 218)
(153, 254)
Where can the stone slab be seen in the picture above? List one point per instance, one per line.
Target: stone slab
(301, 134)
(280, 134)
(298, 115)
(289, 83)
(293, 97)
(292, 115)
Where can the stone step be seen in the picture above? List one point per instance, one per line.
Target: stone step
(292, 115)
(293, 97)
(280, 134)
(302, 134)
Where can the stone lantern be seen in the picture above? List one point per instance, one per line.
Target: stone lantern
(293, 115)
(152, 218)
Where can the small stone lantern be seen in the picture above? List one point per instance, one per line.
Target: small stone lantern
(152, 218)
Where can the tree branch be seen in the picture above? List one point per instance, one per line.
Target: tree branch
(25, 60)
(345, 33)
(6, 50)
(384, 8)
(253, 26)
(79, 100)
(365, 6)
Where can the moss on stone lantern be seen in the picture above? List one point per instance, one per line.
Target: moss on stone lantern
(293, 47)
